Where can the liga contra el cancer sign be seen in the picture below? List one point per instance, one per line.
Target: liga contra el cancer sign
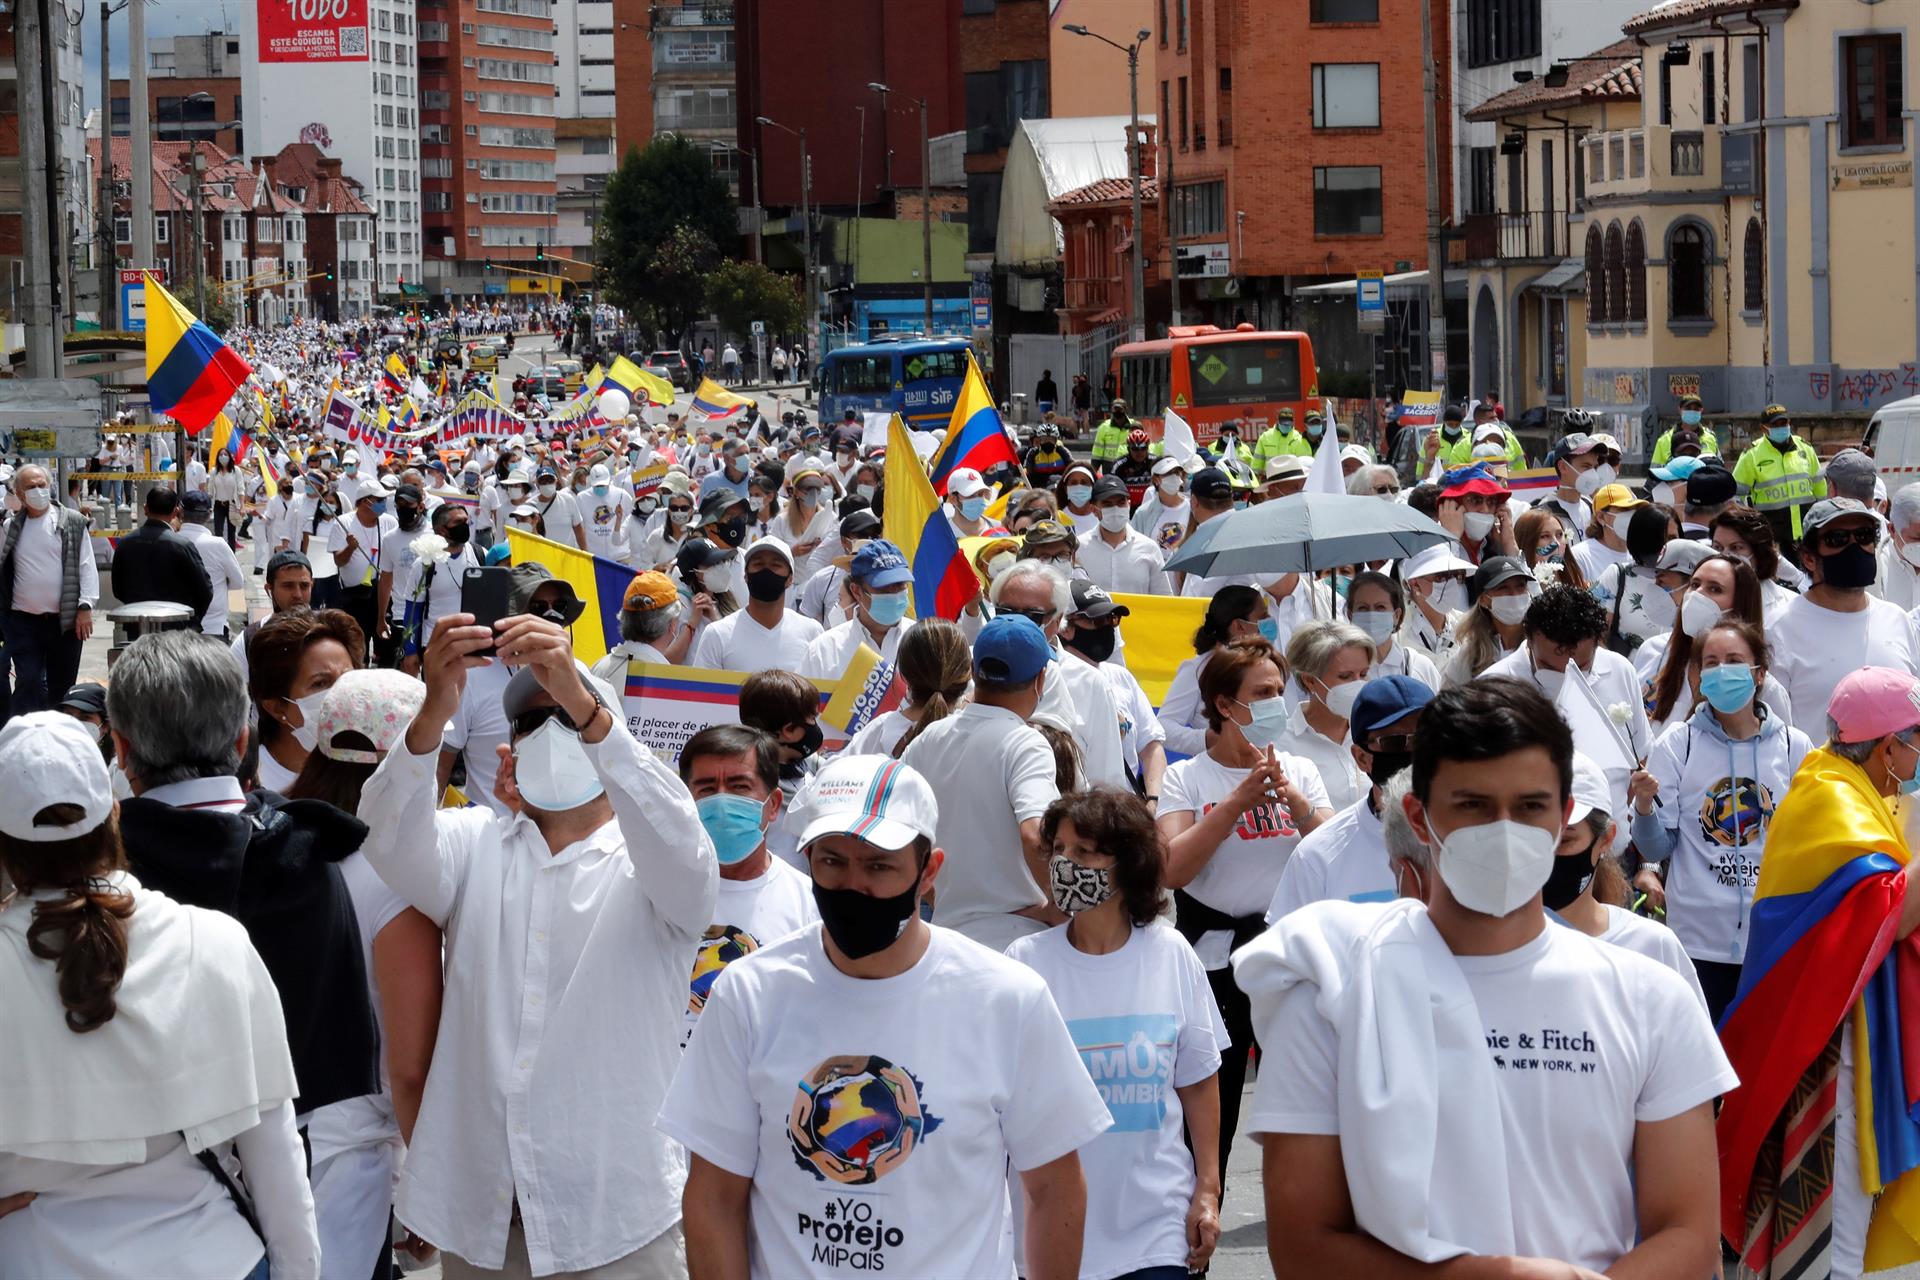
(313, 30)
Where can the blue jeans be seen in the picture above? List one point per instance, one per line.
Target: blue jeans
(261, 1271)
(46, 660)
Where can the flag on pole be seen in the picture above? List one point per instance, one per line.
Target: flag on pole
(394, 373)
(976, 437)
(1177, 437)
(916, 522)
(713, 401)
(191, 374)
(1326, 475)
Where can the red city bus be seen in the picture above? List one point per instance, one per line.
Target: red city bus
(1210, 375)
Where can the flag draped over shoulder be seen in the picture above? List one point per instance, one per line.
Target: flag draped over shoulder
(1823, 950)
(975, 436)
(191, 374)
(599, 582)
(916, 522)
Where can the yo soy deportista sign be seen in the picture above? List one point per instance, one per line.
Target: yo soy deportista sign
(313, 30)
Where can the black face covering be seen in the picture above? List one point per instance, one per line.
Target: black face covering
(457, 534)
(732, 532)
(1850, 568)
(409, 515)
(1095, 642)
(766, 585)
(861, 924)
(1571, 874)
(1386, 764)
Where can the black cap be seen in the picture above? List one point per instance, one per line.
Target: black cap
(1710, 484)
(1109, 487)
(88, 699)
(1212, 484)
(196, 502)
(410, 492)
(1493, 571)
(1090, 600)
(529, 577)
(696, 554)
(717, 502)
(860, 524)
(287, 560)
(1454, 413)
(1684, 442)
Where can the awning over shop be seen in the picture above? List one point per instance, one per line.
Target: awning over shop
(1407, 286)
(1569, 277)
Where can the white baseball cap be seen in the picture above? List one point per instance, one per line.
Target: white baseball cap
(47, 758)
(875, 798)
(772, 544)
(1435, 559)
(1590, 789)
(965, 482)
(599, 475)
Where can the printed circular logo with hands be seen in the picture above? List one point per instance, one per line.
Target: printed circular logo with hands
(720, 947)
(1734, 812)
(856, 1118)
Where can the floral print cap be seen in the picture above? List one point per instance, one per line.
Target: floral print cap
(378, 705)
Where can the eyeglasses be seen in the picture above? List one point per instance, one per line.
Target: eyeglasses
(1392, 744)
(1039, 617)
(527, 721)
(1383, 490)
(1867, 536)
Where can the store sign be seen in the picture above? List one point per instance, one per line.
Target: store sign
(313, 30)
(1205, 261)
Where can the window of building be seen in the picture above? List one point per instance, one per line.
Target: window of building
(976, 6)
(983, 211)
(1200, 209)
(986, 128)
(1750, 80)
(1480, 182)
(1709, 108)
(1346, 95)
(1182, 98)
(1666, 92)
(1874, 93)
(1163, 24)
(1345, 11)
(123, 230)
(1616, 273)
(1688, 256)
(162, 230)
(596, 146)
(1754, 269)
(1346, 201)
(1636, 273)
(1597, 312)
(1502, 31)
(1025, 83)
(1180, 30)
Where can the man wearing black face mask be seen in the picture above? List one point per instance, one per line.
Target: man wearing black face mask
(766, 633)
(397, 568)
(1345, 858)
(877, 1015)
(1090, 634)
(430, 590)
(1838, 625)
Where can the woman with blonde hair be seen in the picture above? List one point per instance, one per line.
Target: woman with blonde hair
(1542, 537)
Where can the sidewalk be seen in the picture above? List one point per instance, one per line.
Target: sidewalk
(241, 605)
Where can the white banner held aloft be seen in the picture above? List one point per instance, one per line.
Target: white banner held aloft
(1326, 475)
(1177, 436)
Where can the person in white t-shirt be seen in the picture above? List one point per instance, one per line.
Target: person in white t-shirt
(1165, 514)
(1837, 625)
(1557, 1113)
(881, 583)
(1613, 508)
(605, 511)
(936, 665)
(733, 774)
(766, 633)
(558, 510)
(1564, 626)
(1088, 637)
(1231, 817)
(853, 1096)
(1345, 859)
(997, 774)
(1137, 1004)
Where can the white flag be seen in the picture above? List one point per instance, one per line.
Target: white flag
(1326, 476)
(1597, 733)
(1177, 436)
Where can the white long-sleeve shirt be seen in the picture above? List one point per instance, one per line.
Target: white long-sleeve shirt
(223, 571)
(567, 982)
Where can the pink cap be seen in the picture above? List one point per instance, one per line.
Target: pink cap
(1874, 702)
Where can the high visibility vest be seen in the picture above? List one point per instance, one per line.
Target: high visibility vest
(1663, 447)
(1773, 478)
(1460, 452)
(1275, 443)
(1109, 442)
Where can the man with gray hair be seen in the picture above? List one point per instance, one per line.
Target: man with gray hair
(179, 715)
(1077, 697)
(48, 585)
(1898, 581)
(1409, 857)
(1375, 480)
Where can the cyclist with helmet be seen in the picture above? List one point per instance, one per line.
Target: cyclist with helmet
(1585, 466)
(1136, 468)
(1046, 459)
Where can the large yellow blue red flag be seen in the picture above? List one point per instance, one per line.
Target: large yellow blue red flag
(916, 522)
(976, 437)
(624, 375)
(191, 374)
(394, 372)
(713, 401)
(600, 583)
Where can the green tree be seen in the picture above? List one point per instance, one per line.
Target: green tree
(741, 292)
(644, 263)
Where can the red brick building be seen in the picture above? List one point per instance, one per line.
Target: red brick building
(339, 226)
(176, 112)
(1292, 146)
(1096, 266)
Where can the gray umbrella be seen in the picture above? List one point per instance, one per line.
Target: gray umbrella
(1305, 531)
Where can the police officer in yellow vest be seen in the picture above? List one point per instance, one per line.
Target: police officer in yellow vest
(1779, 475)
(1280, 439)
(1110, 437)
(1486, 418)
(1689, 419)
(1451, 437)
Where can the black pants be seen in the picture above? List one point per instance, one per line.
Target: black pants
(46, 660)
(326, 591)
(363, 604)
(1719, 981)
(223, 521)
(1236, 1011)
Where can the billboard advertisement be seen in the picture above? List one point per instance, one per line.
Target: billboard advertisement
(313, 30)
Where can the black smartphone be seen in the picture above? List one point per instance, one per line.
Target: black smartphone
(484, 593)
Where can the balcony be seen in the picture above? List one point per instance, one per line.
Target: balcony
(1687, 154)
(1536, 236)
(693, 15)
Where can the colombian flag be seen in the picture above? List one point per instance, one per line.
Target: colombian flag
(394, 373)
(601, 583)
(191, 374)
(225, 435)
(408, 417)
(1823, 951)
(713, 401)
(640, 386)
(975, 437)
(916, 522)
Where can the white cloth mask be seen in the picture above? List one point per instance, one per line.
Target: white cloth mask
(1511, 610)
(1495, 868)
(1113, 519)
(1698, 612)
(1340, 698)
(308, 731)
(1269, 722)
(1477, 524)
(552, 770)
(1377, 623)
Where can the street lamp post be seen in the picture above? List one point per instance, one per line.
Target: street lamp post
(1133, 166)
(806, 221)
(926, 200)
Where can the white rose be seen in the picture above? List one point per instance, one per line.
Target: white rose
(1621, 713)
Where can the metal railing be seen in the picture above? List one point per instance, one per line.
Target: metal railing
(1687, 154)
(1535, 234)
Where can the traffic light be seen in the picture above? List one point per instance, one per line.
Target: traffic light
(329, 276)
(540, 251)
(487, 264)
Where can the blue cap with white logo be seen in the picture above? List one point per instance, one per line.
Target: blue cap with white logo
(879, 564)
(1011, 649)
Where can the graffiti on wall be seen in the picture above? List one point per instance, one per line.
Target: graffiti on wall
(1864, 388)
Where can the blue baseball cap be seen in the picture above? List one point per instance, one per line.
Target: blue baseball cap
(1011, 649)
(1386, 701)
(878, 563)
(1678, 468)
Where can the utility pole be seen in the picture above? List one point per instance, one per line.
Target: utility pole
(1436, 245)
(39, 152)
(1172, 227)
(109, 278)
(139, 133)
(199, 234)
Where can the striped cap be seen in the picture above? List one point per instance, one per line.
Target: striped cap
(875, 798)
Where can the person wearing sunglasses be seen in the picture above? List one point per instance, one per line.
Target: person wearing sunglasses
(1345, 858)
(1837, 625)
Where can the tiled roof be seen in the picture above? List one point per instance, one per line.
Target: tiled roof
(1611, 75)
(1109, 189)
(1673, 11)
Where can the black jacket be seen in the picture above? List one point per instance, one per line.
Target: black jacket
(272, 868)
(155, 563)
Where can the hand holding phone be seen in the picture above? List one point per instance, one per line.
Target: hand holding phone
(486, 592)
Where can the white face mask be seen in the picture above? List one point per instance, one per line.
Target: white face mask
(1449, 596)
(1113, 519)
(1495, 868)
(1377, 623)
(1911, 554)
(1340, 698)
(38, 497)
(1269, 722)
(1477, 525)
(307, 732)
(1511, 610)
(552, 770)
(1170, 485)
(1619, 524)
(1663, 494)
(1549, 680)
(1698, 612)
(1591, 481)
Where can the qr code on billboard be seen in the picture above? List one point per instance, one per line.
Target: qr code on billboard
(353, 40)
